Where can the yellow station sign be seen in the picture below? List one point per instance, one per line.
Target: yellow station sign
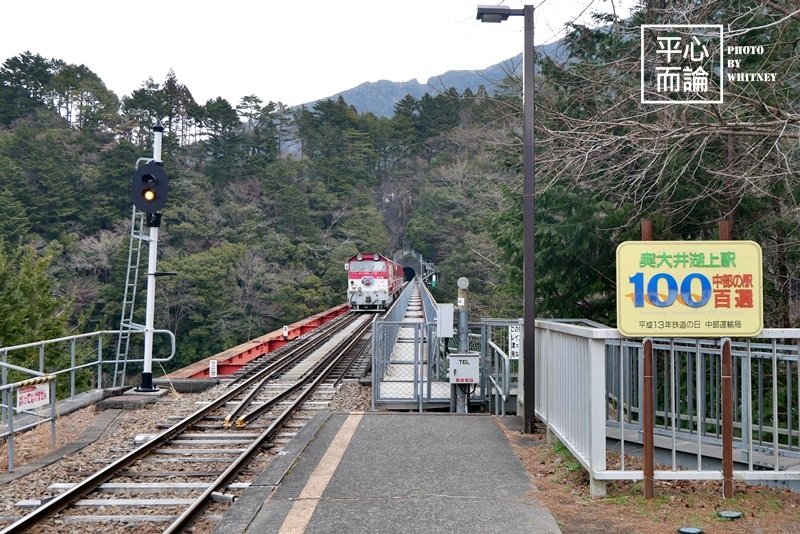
(689, 289)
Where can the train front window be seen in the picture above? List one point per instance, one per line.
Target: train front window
(367, 266)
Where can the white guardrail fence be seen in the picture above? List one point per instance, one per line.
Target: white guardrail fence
(589, 392)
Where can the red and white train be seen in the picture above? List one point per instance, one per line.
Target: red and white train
(373, 281)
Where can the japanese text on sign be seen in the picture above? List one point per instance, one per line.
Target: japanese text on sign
(464, 368)
(513, 341)
(30, 397)
(685, 288)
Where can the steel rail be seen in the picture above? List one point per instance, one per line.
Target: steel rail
(297, 354)
(350, 364)
(337, 353)
(91, 483)
(312, 381)
(297, 348)
(291, 357)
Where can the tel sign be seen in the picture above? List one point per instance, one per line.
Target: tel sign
(689, 288)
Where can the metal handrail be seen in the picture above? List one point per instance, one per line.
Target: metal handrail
(7, 389)
(5, 366)
(29, 382)
(7, 392)
(91, 334)
(428, 303)
(504, 390)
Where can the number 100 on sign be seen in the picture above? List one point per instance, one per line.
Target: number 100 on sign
(689, 288)
(663, 289)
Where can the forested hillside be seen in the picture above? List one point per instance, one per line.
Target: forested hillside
(266, 203)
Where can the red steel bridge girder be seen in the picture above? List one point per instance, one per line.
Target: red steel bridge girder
(230, 360)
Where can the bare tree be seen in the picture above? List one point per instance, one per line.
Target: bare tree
(687, 165)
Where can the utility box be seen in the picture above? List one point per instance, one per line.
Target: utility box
(465, 368)
(444, 320)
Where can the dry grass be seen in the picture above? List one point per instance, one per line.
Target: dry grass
(563, 489)
(36, 442)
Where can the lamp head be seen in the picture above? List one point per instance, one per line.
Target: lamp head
(493, 13)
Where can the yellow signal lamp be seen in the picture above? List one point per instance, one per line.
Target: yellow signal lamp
(149, 186)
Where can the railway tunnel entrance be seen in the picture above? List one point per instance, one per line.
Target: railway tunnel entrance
(410, 263)
(415, 266)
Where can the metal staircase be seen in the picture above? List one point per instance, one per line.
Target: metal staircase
(126, 324)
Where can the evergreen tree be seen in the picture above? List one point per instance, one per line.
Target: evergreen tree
(141, 110)
(29, 308)
(181, 111)
(260, 135)
(82, 99)
(222, 145)
(23, 83)
(14, 224)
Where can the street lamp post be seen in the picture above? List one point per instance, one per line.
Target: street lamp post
(499, 14)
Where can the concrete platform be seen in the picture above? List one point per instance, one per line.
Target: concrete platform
(186, 385)
(132, 399)
(390, 472)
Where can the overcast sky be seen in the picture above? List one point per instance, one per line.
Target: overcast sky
(290, 51)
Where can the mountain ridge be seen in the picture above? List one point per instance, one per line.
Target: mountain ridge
(380, 97)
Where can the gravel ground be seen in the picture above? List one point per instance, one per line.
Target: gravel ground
(562, 489)
(117, 439)
(352, 397)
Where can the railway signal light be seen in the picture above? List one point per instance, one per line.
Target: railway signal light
(149, 187)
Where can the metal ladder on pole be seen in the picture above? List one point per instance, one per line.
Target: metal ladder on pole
(126, 324)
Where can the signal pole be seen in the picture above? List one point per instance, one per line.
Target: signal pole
(154, 222)
(462, 402)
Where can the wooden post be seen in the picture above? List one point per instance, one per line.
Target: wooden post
(727, 419)
(727, 397)
(647, 401)
(724, 230)
(647, 420)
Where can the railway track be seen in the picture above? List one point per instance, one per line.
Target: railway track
(195, 468)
